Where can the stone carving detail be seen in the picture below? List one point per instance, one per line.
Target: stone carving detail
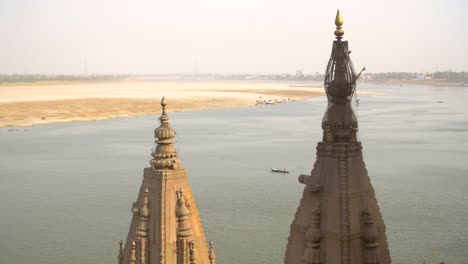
(133, 253)
(142, 234)
(184, 229)
(193, 259)
(344, 205)
(313, 237)
(211, 254)
(162, 213)
(370, 236)
(311, 182)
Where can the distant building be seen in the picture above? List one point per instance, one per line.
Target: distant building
(300, 74)
(420, 76)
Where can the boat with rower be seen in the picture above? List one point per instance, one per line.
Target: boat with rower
(279, 170)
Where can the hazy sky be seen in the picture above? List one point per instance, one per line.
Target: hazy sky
(228, 36)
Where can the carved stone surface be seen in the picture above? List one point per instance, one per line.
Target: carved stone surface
(370, 236)
(313, 237)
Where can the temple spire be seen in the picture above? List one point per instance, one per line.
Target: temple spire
(165, 155)
(338, 219)
(339, 123)
(165, 219)
(339, 32)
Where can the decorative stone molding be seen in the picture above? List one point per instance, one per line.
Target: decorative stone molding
(370, 236)
(313, 237)
(133, 253)
(211, 254)
(184, 229)
(192, 257)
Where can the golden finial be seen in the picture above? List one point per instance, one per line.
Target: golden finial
(339, 22)
(163, 104)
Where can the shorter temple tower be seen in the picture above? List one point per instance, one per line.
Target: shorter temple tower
(338, 220)
(166, 226)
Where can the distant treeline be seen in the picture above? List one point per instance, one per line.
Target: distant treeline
(451, 76)
(447, 76)
(274, 77)
(11, 78)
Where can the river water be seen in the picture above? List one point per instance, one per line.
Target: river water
(66, 189)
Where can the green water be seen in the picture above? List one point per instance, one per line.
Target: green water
(66, 189)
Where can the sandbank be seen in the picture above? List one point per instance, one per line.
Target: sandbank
(29, 104)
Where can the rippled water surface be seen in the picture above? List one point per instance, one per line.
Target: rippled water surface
(66, 189)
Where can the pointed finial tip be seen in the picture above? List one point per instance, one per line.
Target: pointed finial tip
(163, 102)
(133, 243)
(338, 19)
(339, 32)
(146, 191)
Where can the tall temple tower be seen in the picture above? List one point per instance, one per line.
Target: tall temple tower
(166, 226)
(338, 220)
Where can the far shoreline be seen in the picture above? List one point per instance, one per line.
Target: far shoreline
(25, 105)
(428, 82)
(38, 103)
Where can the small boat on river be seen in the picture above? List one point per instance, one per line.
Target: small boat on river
(279, 171)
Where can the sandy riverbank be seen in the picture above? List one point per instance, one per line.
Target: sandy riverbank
(28, 104)
(40, 103)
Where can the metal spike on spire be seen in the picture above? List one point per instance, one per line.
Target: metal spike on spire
(339, 32)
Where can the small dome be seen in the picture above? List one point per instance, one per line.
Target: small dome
(164, 132)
